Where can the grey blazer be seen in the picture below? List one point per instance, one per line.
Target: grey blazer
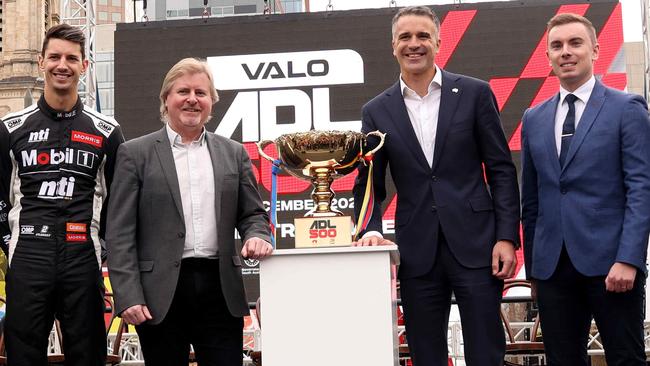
(145, 227)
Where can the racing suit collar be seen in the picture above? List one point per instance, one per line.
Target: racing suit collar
(60, 115)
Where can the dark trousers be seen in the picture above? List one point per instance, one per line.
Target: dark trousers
(568, 300)
(427, 300)
(198, 316)
(48, 280)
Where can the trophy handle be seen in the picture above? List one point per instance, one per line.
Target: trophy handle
(260, 147)
(382, 136)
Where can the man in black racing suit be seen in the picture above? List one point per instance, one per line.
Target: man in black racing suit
(56, 164)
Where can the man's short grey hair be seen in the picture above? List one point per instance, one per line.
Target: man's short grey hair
(422, 11)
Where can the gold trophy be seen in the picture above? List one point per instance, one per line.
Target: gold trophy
(321, 157)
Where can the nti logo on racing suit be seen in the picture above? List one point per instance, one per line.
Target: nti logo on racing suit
(53, 190)
(39, 136)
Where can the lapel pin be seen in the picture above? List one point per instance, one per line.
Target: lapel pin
(454, 90)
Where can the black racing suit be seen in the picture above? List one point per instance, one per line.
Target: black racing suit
(55, 171)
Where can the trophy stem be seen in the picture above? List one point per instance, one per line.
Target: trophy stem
(322, 193)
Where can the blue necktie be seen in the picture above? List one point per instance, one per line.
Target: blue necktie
(568, 128)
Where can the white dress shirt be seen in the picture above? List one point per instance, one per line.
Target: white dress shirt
(196, 183)
(423, 113)
(583, 93)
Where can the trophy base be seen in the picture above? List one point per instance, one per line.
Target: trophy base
(333, 231)
(313, 213)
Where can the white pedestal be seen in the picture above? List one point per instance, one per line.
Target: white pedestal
(329, 307)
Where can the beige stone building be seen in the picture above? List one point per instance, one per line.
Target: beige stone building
(21, 35)
(635, 67)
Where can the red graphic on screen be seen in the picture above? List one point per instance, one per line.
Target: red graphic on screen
(452, 29)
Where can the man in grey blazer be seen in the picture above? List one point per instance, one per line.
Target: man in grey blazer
(178, 196)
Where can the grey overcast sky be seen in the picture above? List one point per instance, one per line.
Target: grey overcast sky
(631, 10)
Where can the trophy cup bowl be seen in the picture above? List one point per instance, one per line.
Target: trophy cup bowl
(321, 157)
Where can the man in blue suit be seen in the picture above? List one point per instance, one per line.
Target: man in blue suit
(455, 232)
(586, 204)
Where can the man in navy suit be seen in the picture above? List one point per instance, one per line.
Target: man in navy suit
(455, 231)
(586, 204)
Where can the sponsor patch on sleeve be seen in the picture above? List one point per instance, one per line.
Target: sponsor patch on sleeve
(14, 123)
(104, 127)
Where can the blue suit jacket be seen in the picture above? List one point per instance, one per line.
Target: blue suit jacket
(599, 203)
(452, 194)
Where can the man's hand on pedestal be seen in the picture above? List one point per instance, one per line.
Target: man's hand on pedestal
(256, 248)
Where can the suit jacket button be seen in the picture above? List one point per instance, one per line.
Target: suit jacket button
(181, 235)
(434, 178)
(177, 263)
(563, 191)
(434, 208)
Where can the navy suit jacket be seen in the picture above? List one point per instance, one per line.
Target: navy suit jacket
(452, 194)
(598, 204)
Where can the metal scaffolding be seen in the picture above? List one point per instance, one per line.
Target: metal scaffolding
(81, 13)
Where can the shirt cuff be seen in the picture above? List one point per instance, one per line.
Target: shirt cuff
(372, 233)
